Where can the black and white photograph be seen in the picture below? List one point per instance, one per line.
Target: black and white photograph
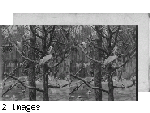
(69, 62)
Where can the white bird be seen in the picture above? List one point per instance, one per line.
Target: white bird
(50, 79)
(49, 50)
(115, 50)
(84, 44)
(110, 59)
(19, 45)
(78, 65)
(85, 65)
(45, 59)
(37, 82)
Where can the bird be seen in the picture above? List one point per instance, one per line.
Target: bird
(19, 45)
(110, 59)
(45, 59)
(49, 50)
(37, 82)
(84, 44)
(115, 50)
(78, 65)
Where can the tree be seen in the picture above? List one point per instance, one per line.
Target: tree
(32, 74)
(50, 48)
(1, 64)
(98, 76)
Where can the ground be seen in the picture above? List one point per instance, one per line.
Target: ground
(62, 94)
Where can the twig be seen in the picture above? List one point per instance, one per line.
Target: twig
(61, 60)
(15, 78)
(89, 56)
(52, 86)
(77, 87)
(122, 64)
(37, 49)
(117, 31)
(13, 72)
(21, 52)
(79, 78)
(101, 49)
(99, 33)
(10, 87)
(34, 32)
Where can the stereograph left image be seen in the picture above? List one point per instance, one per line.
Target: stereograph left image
(68, 62)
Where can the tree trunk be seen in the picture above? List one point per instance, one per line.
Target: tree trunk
(1, 64)
(45, 75)
(98, 76)
(45, 83)
(110, 84)
(32, 92)
(97, 82)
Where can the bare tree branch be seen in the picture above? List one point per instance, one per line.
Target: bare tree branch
(77, 87)
(88, 55)
(117, 31)
(99, 33)
(51, 36)
(10, 87)
(61, 59)
(122, 64)
(85, 82)
(101, 49)
(34, 32)
(23, 84)
(52, 86)
(37, 49)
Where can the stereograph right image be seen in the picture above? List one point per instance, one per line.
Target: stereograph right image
(69, 62)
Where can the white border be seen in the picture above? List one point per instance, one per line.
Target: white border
(101, 19)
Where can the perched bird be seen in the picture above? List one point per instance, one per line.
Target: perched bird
(110, 59)
(45, 59)
(78, 65)
(37, 82)
(19, 45)
(84, 44)
(49, 50)
(115, 50)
